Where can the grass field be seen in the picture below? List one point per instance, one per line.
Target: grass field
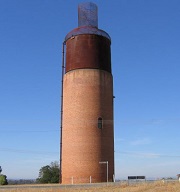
(144, 187)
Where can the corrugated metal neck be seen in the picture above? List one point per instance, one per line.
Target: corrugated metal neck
(87, 21)
(87, 14)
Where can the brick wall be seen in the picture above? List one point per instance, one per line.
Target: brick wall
(88, 95)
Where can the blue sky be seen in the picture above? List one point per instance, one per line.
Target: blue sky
(146, 69)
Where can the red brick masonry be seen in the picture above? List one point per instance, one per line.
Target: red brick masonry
(88, 95)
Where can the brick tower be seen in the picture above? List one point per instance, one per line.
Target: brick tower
(87, 148)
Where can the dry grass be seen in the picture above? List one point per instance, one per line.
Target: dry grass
(146, 187)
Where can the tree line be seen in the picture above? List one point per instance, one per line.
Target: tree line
(47, 174)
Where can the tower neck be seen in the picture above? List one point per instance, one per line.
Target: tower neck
(87, 15)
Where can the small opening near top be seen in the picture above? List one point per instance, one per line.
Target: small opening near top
(100, 123)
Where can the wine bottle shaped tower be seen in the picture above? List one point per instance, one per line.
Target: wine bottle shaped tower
(87, 139)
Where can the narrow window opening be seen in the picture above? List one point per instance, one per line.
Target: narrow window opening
(100, 123)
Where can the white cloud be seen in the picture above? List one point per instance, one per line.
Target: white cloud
(143, 141)
(141, 154)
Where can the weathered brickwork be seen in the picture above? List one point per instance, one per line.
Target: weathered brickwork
(87, 95)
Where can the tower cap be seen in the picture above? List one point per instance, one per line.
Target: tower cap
(87, 21)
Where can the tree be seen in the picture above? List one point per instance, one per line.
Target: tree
(49, 173)
(3, 180)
